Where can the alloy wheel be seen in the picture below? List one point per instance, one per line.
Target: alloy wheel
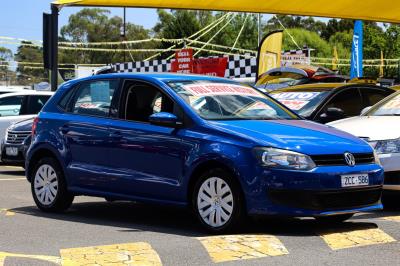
(215, 202)
(46, 184)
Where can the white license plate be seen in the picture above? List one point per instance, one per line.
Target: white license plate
(355, 180)
(11, 151)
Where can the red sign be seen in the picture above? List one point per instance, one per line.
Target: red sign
(211, 66)
(183, 61)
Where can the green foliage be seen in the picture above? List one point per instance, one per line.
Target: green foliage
(94, 25)
(307, 38)
(26, 75)
(5, 55)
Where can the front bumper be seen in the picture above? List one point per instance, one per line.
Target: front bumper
(314, 193)
(18, 160)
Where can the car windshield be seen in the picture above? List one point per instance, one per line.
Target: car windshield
(304, 102)
(214, 100)
(390, 106)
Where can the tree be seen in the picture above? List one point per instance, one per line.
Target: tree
(309, 39)
(249, 35)
(5, 73)
(307, 23)
(333, 26)
(94, 25)
(28, 74)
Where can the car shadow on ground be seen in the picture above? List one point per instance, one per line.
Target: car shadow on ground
(131, 217)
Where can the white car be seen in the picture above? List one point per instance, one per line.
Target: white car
(380, 126)
(18, 106)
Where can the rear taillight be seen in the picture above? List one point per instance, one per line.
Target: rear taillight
(34, 125)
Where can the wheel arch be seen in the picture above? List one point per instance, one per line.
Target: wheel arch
(36, 156)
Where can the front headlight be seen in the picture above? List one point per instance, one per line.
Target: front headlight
(283, 159)
(386, 146)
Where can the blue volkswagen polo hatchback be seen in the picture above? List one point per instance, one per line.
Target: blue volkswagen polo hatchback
(221, 148)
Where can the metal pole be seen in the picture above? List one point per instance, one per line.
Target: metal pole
(54, 47)
(259, 28)
(124, 33)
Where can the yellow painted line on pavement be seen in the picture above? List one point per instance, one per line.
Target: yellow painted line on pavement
(12, 179)
(392, 218)
(241, 247)
(139, 253)
(355, 238)
(6, 212)
(4, 255)
(14, 167)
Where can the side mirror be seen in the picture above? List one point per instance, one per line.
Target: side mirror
(365, 110)
(332, 114)
(164, 119)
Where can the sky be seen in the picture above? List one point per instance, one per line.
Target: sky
(23, 18)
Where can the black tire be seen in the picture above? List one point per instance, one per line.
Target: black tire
(334, 219)
(238, 211)
(63, 198)
(390, 200)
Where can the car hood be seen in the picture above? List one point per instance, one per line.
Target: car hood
(297, 135)
(25, 125)
(371, 127)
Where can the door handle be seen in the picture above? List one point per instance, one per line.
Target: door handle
(116, 135)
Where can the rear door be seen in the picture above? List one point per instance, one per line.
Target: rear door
(85, 129)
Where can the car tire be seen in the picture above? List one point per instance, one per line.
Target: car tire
(48, 186)
(217, 201)
(334, 219)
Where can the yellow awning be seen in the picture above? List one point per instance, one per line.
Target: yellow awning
(383, 10)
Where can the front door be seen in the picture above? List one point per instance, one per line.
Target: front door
(150, 158)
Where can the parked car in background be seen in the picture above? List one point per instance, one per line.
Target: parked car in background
(327, 102)
(19, 106)
(380, 126)
(224, 149)
(4, 90)
(282, 77)
(16, 143)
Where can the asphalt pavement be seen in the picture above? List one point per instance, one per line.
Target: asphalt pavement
(96, 232)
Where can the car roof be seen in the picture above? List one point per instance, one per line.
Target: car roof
(326, 86)
(27, 92)
(164, 77)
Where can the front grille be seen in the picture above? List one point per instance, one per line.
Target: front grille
(392, 178)
(327, 200)
(17, 137)
(338, 159)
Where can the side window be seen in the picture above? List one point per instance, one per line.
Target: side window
(36, 103)
(349, 101)
(372, 96)
(94, 98)
(66, 98)
(11, 106)
(142, 100)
